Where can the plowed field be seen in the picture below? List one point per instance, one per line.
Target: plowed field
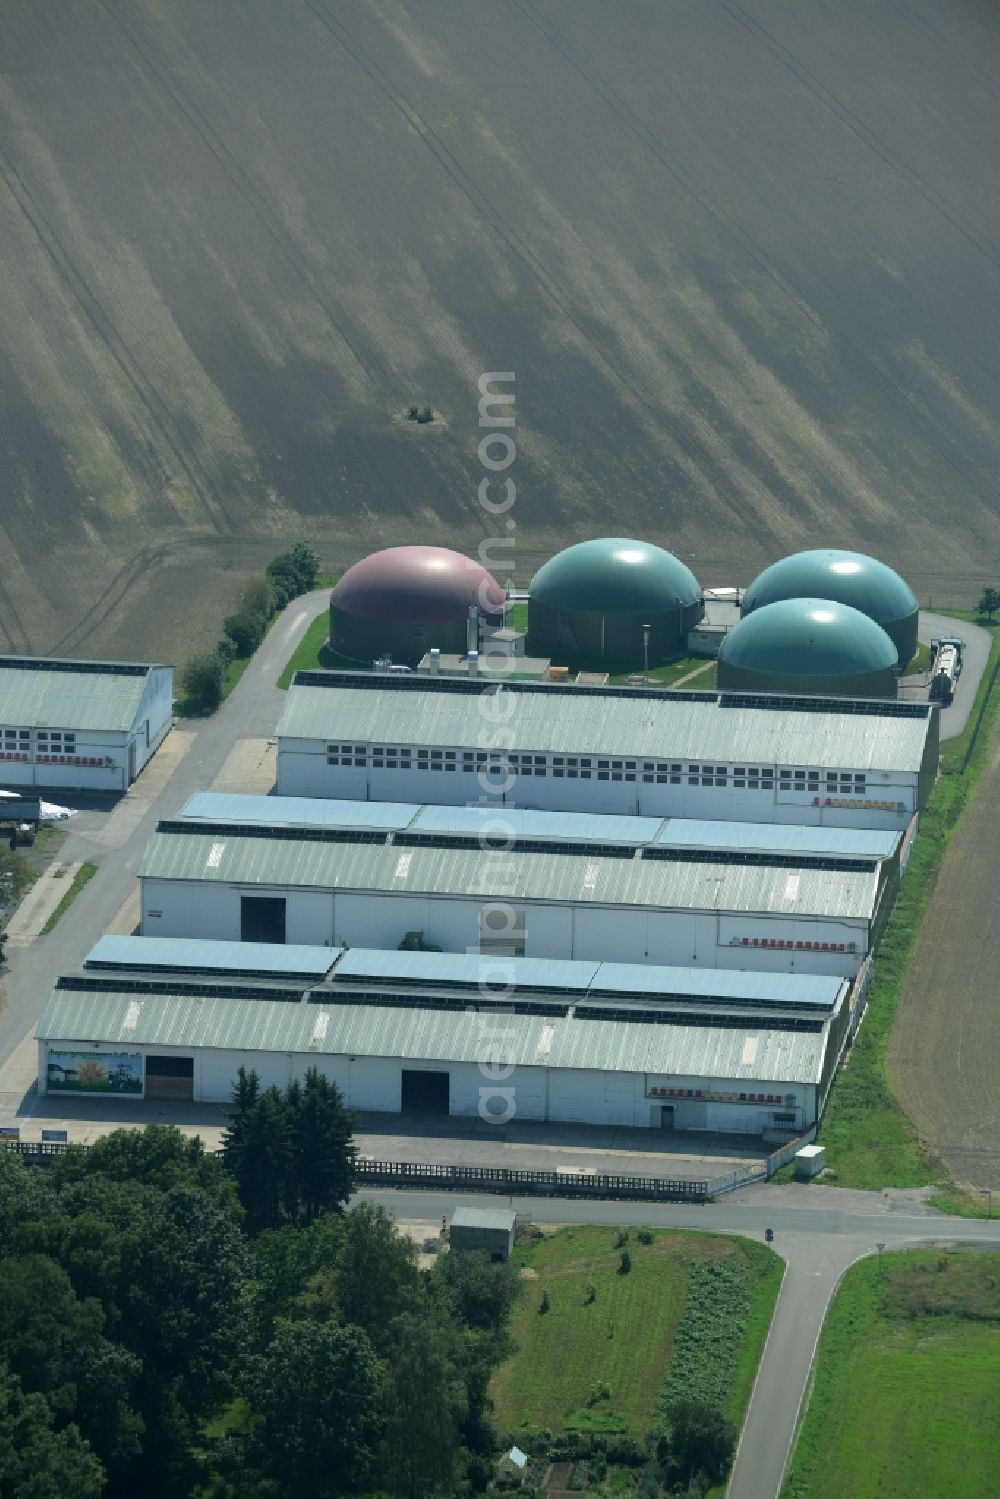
(743, 260)
(944, 1055)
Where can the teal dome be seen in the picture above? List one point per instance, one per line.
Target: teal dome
(615, 575)
(808, 645)
(848, 578)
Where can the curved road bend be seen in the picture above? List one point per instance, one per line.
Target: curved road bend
(251, 711)
(818, 1231)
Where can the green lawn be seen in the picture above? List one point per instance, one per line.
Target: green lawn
(82, 877)
(906, 1398)
(624, 1337)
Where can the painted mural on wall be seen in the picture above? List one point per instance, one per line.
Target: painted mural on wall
(117, 1072)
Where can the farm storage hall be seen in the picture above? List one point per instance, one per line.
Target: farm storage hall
(596, 1043)
(738, 757)
(80, 725)
(557, 896)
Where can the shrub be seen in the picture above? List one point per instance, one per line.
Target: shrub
(258, 596)
(544, 1304)
(625, 1263)
(622, 1238)
(293, 572)
(245, 631)
(226, 650)
(645, 1236)
(425, 414)
(591, 1296)
(202, 679)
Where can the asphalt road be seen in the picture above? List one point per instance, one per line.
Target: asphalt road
(251, 711)
(977, 652)
(819, 1232)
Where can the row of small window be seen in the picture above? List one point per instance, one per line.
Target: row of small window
(586, 768)
(53, 739)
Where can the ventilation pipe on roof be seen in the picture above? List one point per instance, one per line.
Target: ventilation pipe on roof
(473, 663)
(435, 662)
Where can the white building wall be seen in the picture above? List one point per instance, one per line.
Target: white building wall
(178, 908)
(154, 715)
(65, 772)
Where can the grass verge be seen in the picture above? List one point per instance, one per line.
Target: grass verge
(312, 651)
(906, 1391)
(869, 1139)
(82, 877)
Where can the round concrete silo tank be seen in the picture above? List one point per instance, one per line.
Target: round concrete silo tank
(849, 578)
(590, 602)
(811, 646)
(401, 601)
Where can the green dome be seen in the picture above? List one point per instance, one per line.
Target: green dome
(614, 575)
(849, 578)
(814, 638)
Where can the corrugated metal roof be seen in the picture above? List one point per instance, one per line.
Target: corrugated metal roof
(518, 822)
(240, 1025)
(570, 974)
(551, 721)
(75, 695)
(720, 983)
(786, 838)
(521, 874)
(297, 811)
(205, 956)
(576, 977)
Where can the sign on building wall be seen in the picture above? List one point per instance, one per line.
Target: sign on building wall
(118, 1072)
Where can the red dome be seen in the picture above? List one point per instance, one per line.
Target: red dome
(416, 585)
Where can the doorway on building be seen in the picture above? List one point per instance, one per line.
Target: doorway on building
(170, 1077)
(262, 918)
(667, 1116)
(425, 1092)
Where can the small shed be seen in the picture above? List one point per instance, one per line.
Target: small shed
(809, 1161)
(488, 1229)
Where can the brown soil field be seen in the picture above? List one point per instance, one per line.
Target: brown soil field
(944, 1054)
(744, 263)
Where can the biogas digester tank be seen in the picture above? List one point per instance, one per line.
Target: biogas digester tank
(808, 646)
(589, 603)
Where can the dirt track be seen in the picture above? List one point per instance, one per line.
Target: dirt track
(944, 1055)
(739, 258)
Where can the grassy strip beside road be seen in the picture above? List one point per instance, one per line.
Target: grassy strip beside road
(83, 876)
(906, 1392)
(313, 651)
(869, 1139)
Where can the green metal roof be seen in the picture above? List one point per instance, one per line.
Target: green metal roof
(521, 874)
(809, 637)
(615, 575)
(241, 1025)
(550, 720)
(848, 577)
(56, 694)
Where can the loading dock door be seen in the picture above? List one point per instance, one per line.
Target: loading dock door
(425, 1092)
(667, 1116)
(170, 1077)
(262, 918)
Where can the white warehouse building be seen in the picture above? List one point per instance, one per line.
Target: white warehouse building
(607, 895)
(80, 725)
(596, 1043)
(734, 757)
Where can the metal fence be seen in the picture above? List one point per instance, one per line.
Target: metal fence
(500, 1179)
